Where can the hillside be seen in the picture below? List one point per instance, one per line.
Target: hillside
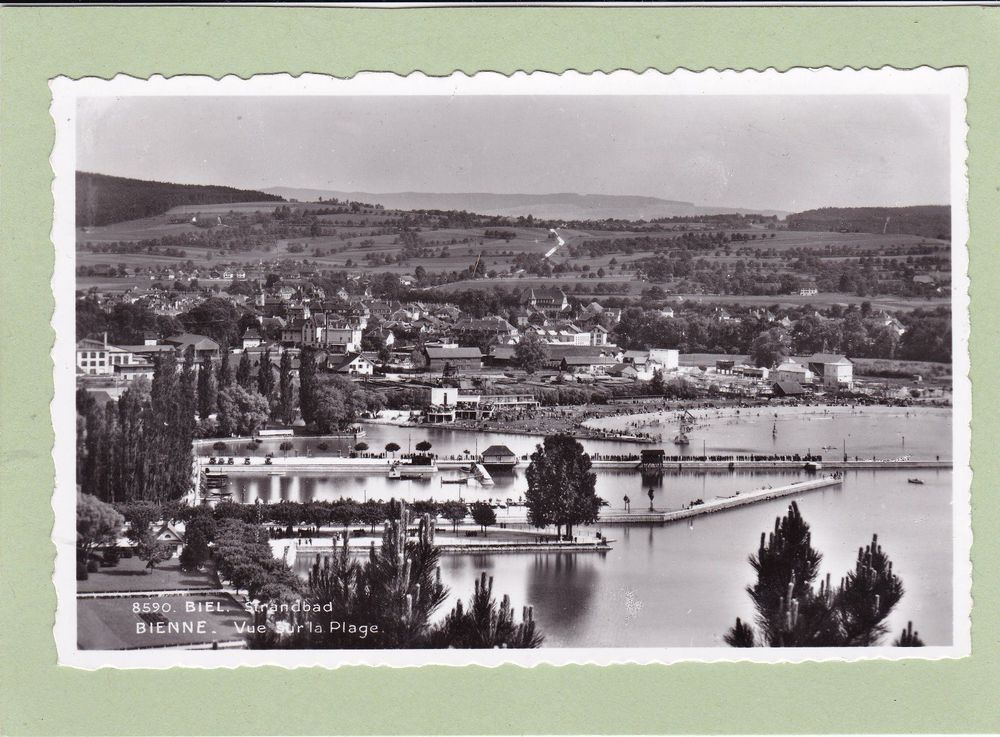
(562, 206)
(929, 221)
(103, 199)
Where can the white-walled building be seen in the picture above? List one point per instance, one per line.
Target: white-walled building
(667, 358)
(792, 371)
(834, 370)
(99, 358)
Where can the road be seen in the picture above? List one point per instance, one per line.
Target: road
(559, 244)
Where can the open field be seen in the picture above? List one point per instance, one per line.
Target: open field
(369, 240)
(567, 282)
(893, 304)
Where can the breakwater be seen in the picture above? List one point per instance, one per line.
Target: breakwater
(740, 499)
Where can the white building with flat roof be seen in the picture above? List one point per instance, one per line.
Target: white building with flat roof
(667, 358)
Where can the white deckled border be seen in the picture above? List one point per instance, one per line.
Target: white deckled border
(951, 82)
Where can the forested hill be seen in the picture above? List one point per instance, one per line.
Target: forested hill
(103, 199)
(930, 221)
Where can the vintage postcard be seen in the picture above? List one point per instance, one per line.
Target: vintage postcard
(533, 369)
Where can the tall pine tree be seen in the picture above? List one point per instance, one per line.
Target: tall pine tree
(225, 371)
(265, 375)
(244, 373)
(130, 448)
(286, 389)
(307, 385)
(207, 389)
(793, 612)
(163, 415)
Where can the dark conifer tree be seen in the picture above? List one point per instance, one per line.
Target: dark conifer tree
(160, 446)
(244, 373)
(286, 389)
(265, 375)
(792, 612)
(130, 447)
(225, 371)
(207, 389)
(398, 589)
(182, 434)
(307, 384)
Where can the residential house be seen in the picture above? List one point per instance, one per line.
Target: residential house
(594, 364)
(251, 338)
(353, 364)
(337, 335)
(550, 301)
(884, 319)
(204, 347)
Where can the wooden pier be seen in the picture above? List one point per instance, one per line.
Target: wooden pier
(698, 465)
(740, 499)
(377, 466)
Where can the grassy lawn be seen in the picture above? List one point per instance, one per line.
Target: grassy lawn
(111, 623)
(131, 575)
(939, 372)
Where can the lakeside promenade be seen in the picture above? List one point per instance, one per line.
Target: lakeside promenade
(331, 465)
(512, 532)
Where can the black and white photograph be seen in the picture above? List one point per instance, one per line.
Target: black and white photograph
(533, 369)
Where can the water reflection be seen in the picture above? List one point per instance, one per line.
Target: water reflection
(683, 585)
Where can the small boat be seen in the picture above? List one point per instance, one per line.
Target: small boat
(405, 477)
(915, 481)
(454, 481)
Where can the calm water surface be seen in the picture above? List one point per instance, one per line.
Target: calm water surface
(683, 584)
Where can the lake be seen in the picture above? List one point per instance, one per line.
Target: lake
(683, 584)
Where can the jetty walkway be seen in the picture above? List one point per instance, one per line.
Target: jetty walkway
(325, 464)
(766, 465)
(740, 499)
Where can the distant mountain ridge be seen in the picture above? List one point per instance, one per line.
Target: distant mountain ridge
(555, 206)
(102, 199)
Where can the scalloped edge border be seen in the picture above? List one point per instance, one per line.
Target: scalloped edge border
(951, 81)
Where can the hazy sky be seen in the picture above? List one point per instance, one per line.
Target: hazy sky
(784, 153)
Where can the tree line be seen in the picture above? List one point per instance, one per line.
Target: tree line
(102, 199)
(140, 447)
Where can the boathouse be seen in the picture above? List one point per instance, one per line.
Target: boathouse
(651, 459)
(499, 457)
